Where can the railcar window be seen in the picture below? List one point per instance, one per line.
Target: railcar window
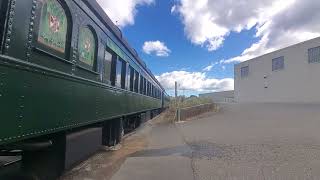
(149, 87)
(53, 26)
(145, 86)
(136, 82)
(128, 76)
(131, 78)
(152, 88)
(123, 75)
(120, 73)
(141, 84)
(87, 48)
(157, 91)
(107, 66)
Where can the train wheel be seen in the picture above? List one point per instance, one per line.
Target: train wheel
(112, 132)
(46, 164)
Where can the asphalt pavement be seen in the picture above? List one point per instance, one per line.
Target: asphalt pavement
(241, 141)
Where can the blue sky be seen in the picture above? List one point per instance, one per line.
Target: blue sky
(198, 42)
(156, 22)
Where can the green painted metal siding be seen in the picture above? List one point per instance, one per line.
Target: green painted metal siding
(43, 92)
(36, 101)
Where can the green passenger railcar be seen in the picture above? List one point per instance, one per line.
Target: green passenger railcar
(65, 67)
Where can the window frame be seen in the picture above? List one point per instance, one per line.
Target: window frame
(275, 63)
(41, 47)
(113, 55)
(144, 85)
(141, 84)
(136, 81)
(149, 88)
(122, 83)
(123, 74)
(309, 55)
(131, 78)
(81, 64)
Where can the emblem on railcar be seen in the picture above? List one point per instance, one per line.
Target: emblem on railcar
(53, 25)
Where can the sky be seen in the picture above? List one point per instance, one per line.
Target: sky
(197, 42)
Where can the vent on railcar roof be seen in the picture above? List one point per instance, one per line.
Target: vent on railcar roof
(135, 52)
(119, 31)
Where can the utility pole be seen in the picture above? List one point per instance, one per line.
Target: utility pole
(176, 101)
(176, 89)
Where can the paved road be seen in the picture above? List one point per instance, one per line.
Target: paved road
(248, 141)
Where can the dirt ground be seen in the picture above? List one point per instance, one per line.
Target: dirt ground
(104, 164)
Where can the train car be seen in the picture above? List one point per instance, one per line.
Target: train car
(69, 83)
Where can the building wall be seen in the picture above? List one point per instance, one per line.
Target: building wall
(297, 82)
(225, 96)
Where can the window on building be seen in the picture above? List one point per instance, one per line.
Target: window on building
(107, 67)
(314, 55)
(245, 71)
(136, 82)
(53, 26)
(87, 48)
(3, 14)
(278, 63)
(120, 73)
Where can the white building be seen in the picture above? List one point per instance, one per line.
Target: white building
(291, 74)
(218, 97)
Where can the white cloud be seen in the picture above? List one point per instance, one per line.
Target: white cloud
(194, 81)
(208, 68)
(156, 47)
(122, 12)
(277, 23)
